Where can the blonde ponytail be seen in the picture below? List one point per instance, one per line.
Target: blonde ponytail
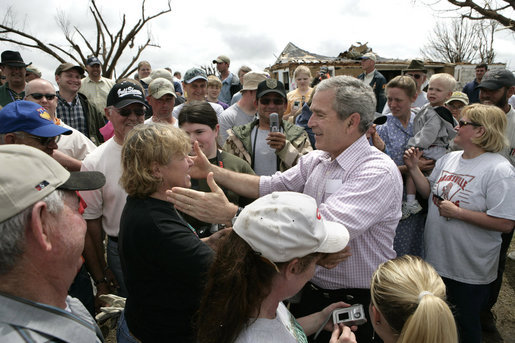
(411, 296)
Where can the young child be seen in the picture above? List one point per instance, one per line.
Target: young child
(214, 86)
(433, 129)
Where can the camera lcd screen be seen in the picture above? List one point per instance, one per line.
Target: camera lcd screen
(343, 316)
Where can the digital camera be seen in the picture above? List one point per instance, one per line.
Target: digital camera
(354, 315)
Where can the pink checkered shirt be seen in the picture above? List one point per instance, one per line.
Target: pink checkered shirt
(362, 189)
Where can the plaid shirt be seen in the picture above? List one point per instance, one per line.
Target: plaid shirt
(72, 114)
(361, 189)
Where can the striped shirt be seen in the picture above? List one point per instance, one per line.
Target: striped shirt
(72, 114)
(361, 189)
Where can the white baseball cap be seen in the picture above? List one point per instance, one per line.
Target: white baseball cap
(285, 225)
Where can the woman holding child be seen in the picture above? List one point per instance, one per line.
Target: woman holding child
(471, 195)
(401, 91)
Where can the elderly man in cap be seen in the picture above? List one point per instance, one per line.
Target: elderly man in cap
(161, 97)
(244, 111)
(41, 241)
(418, 72)
(230, 82)
(13, 68)
(496, 88)
(32, 73)
(125, 109)
(75, 146)
(25, 122)
(73, 107)
(195, 86)
(268, 152)
(374, 78)
(94, 86)
(456, 102)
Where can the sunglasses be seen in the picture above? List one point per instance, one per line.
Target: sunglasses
(39, 96)
(275, 101)
(462, 123)
(125, 112)
(415, 76)
(45, 141)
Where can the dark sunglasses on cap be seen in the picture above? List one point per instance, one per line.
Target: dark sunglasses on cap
(462, 123)
(125, 112)
(39, 96)
(276, 101)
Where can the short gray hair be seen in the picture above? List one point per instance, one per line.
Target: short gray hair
(12, 231)
(351, 96)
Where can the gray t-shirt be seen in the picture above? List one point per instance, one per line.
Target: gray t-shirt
(232, 116)
(457, 249)
(265, 159)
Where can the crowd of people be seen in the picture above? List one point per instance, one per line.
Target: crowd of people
(226, 209)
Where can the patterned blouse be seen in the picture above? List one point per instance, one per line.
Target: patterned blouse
(396, 137)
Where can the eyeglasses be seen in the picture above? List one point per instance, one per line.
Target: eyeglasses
(39, 96)
(125, 112)
(44, 141)
(415, 76)
(276, 101)
(462, 123)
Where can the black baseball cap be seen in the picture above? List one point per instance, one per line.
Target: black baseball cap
(125, 93)
(271, 86)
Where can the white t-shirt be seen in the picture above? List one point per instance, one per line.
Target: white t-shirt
(150, 120)
(282, 329)
(509, 152)
(459, 250)
(107, 202)
(76, 145)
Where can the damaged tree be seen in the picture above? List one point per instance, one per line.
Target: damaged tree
(109, 45)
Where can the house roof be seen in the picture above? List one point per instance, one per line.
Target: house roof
(293, 53)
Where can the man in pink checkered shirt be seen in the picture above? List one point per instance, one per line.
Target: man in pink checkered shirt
(353, 183)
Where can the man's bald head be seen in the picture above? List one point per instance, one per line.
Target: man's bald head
(39, 91)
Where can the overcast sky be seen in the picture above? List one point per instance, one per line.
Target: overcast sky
(249, 32)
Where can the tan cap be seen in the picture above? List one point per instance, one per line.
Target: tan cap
(159, 87)
(222, 59)
(28, 175)
(67, 66)
(165, 74)
(252, 79)
(369, 56)
(459, 96)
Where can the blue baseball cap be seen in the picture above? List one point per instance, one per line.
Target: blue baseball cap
(29, 117)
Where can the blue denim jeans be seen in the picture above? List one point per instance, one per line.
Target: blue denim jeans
(467, 301)
(123, 334)
(113, 261)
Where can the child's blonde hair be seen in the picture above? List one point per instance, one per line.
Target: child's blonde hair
(447, 79)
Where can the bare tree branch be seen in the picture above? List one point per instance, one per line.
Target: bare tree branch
(454, 43)
(109, 46)
(485, 9)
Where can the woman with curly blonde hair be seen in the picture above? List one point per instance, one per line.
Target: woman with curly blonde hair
(163, 260)
(408, 303)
